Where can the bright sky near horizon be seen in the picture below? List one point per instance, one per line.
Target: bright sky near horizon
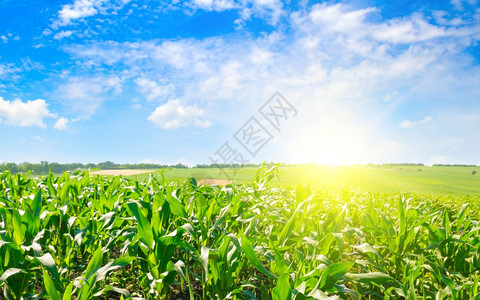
(180, 81)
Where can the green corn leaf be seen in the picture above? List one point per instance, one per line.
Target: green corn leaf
(3, 243)
(333, 273)
(476, 297)
(123, 292)
(49, 263)
(367, 248)
(204, 258)
(50, 286)
(10, 272)
(112, 266)
(247, 248)
(67, 294)
(446, 223)
(461, 217)
(37, 204)
(179, 266)
(264, 293)
(94, 263)
(18, 233)
(401, 215)
(51, 189)
(373, 277)
(143, 226)
(283, 289)
(176, 206)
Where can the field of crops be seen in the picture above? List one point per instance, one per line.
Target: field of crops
(438, 180)
(78, 236)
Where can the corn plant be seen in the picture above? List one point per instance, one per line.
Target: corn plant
(78, 236)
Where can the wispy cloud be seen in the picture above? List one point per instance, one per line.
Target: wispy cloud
(62, 34)
(152, 90)
(82, 96)
(411, 124)
(352, 73)
(333, 49)
(461, 4)
(9, 37)
(8, 69)
(216, 5)
(415, 28)
(269, 10)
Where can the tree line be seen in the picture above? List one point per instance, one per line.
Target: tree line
(44, 167)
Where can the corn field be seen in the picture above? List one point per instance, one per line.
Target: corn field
(78, 236)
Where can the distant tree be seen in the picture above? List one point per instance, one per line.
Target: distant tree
(12, 167)
(44, 166)
(57, 168)
(107, 165)
(474, 172)
(25, 167)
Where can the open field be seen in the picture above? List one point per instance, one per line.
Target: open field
(101, 237)
(134, 172)
(220, 182)
(123, 172)
(378, 179)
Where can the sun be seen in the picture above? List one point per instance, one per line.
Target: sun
(333, 146)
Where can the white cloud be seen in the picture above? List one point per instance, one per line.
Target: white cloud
(216, 5)
(109, 52)
(353, 68)
(411, 124)
(174, 115)
(62, 34)
(81, 9)
(410, 30)
(337, 18)
(179, 54)
(152, 90)
(333, 62)
(460, 4)
(19, 113)
(315, 57)
(269, 10)
(457, 4)
(61, 124)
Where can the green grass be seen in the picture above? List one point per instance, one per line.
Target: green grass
(78, 236)
(399, 179)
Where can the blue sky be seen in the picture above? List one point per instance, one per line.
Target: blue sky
(174, 81)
